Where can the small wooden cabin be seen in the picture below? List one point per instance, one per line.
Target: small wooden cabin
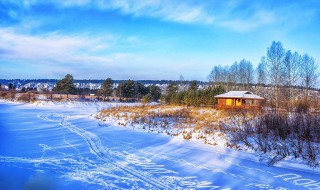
(238, 99)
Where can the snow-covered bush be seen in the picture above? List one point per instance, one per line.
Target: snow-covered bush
(283, 134)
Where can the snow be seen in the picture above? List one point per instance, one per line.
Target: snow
(239, 94)
(64, 141)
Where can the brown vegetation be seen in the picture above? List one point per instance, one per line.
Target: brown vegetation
(26, 97)
(179, 118)
(8, 95)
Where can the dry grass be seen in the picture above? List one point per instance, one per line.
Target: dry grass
(8, 95)
(168, 116)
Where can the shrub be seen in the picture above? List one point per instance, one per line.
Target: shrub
(26, 97)
(10, 95)
(146, 99)
(282, 133)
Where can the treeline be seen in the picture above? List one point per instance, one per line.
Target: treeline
(126, 91)
(192, 96)
(281, 69)
(20, 82)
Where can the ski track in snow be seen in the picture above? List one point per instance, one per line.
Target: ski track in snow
(149, 174)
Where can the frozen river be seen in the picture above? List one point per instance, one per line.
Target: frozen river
(63, 147)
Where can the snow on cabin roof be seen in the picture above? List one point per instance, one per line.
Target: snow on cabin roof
(239, 94)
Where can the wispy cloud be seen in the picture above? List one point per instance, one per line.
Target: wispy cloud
(255, 16)
(240, 15)
(50, 46)
(76, 53)
(55, 54)
(178, 11)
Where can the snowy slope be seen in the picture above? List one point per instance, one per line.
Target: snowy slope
(60, 145)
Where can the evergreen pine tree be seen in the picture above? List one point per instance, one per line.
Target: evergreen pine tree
(154, 92)
(65, 85)
(107, 87)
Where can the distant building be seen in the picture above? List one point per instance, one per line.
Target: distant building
(238, 99)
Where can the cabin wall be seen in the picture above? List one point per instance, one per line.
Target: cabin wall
(225, 102)
(238, 103)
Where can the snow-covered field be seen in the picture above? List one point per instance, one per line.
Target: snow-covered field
(61, 146)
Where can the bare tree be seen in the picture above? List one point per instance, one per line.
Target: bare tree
(228, 78)
(242, 72)
(274, 68)
(245, 73)
(224, 74)
(261, 72)
(309, 72)
(291, 72)
(216, 75)
(261, 75)
(249, 73)
(234, 74)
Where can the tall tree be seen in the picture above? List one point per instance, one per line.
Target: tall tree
(291, 64)
(65, 85)
(242, 72)
(107, 88)
(154, 92)
(118, 90)
(126, 89)
(309, 73)
(10, 86)
(261, 75)
(249, 73)
(261, 72)
(227, 77)
(171, 90)
(274, 67)
(140, 90)
(245, 73)
(216, 75)
(234, 74)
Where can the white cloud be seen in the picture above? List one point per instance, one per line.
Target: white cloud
(240, 15)
(54, 48)
(258, 19)
(178, 11)
(235, 15)
(53, 54)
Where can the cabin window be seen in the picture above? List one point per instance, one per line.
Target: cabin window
(238, 102)
(228, 102)
(248, 102)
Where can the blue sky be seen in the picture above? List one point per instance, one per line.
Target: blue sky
(154, 39)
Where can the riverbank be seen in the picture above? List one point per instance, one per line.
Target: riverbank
(233, 129)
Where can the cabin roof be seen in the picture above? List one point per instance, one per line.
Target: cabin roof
(239, 94)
